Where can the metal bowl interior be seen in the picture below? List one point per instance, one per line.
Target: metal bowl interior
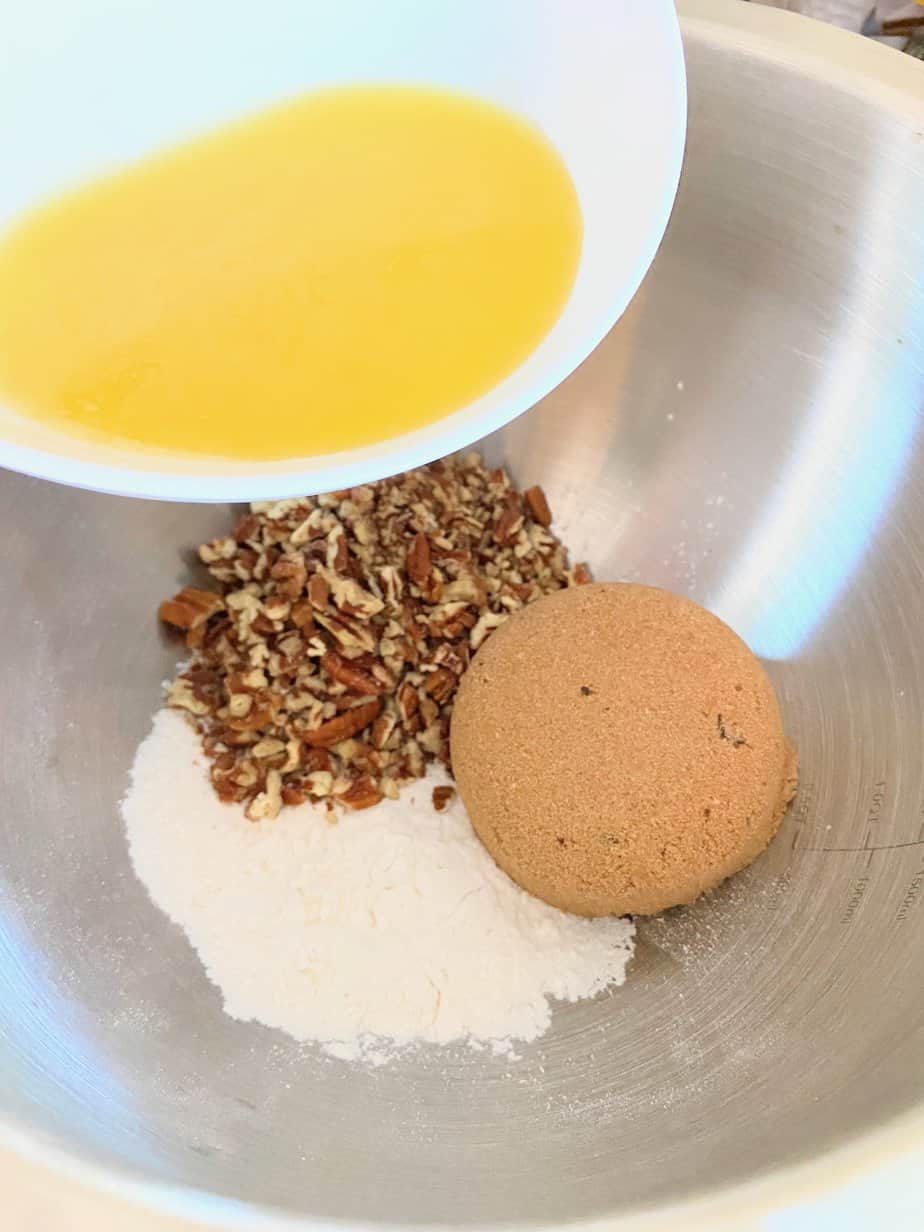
(749, 435)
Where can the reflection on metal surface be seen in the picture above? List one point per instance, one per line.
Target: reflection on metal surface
(63, 1067)
(848, 466)
(748, 435)
(850, 456)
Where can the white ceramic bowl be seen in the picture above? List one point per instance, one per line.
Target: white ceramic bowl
(101, 83)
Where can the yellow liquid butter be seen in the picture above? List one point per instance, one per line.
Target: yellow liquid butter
(328, 273)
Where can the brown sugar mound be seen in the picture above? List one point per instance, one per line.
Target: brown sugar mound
(620, 750)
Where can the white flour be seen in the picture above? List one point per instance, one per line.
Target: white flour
(392, 927)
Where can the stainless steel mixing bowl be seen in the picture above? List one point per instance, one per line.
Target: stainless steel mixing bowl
(750, 435)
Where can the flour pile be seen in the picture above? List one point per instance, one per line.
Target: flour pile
(390, 928)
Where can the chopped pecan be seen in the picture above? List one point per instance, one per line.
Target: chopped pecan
(428, 708)
(182, 697)
(190, 608)
(441, 684)
(290, 573)
(302, 616)
(338, 554)
(442, 797)
(295, 791)
(361, 794)
(355, 678)
(327, 666)
(267, 803)
(382, 728)
(418, 559)
(538, 505)
(350, 597)
(317, 759)
(247, 527)
(510, 522)
(407, 700)
(207, 685)
(344, 725)
(318, 591)
(350, 634)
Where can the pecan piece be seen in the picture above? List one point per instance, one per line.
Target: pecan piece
(316, 760)
(318, 591)
(182, 697)
(538, 506)
(355, 678)
(267, 803)
(509, 524)
(302, 616)
(361, 794)
(442, 796)
(290, 574)
(295, 792)
(383, 727)
(407, 700)
(418, 560)
(343, 725)
(206, 686)
(247, 527)
(440, 684)
(338, 553)
(190, 607)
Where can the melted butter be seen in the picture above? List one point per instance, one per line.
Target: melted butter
(328, 273)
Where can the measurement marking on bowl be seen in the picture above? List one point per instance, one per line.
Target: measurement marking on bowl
(856, 897)
(915, 842)
(912, 895)
(874, 815)
(804, 802)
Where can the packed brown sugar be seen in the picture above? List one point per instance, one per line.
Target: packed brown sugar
(620, 750)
